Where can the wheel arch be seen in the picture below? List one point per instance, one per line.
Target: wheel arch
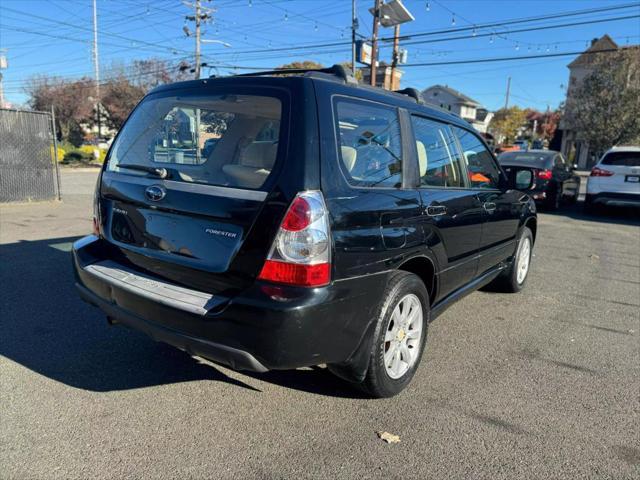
(532, 224)
(425, 268)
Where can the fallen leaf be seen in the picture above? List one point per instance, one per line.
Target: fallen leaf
(388, 437)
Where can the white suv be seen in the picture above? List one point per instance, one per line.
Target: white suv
(615, 179)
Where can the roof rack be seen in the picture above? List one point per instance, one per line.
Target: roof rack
(337, 70)
(412, 92)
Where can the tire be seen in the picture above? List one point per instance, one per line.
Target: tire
(403, 289)
(589, 207)
(511, 281)
(554, 201)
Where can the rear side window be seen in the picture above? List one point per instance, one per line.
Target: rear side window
(439, 161)
(482, 170)
(369, 143)
(622, 159)
(226, 140)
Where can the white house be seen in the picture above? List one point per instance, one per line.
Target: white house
(459, 104)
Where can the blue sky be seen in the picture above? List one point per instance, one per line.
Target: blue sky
(54, 37)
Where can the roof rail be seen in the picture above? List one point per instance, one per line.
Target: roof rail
(412, 92)
(337, 70)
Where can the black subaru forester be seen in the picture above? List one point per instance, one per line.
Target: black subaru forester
(271, 221)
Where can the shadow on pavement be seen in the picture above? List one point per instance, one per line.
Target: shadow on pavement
(619, 216)
(49, 330)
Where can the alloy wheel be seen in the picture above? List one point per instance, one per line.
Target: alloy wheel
(524, 258)
(403, 336)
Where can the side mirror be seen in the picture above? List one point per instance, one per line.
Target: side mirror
(523, 180)
(519, 178)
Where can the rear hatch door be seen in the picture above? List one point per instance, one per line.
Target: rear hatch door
(187, 178)
(625, 166)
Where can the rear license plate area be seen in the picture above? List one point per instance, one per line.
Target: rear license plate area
(632, 178)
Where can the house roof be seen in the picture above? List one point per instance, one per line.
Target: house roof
(603, 43)
(462, 98)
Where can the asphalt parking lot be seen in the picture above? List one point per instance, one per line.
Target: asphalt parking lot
(541, 384)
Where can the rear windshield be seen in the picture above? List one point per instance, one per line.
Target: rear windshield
(622, 159)
(524, 157)
(227, 140)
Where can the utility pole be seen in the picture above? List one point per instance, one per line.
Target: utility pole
(197, 65)
(395, 56)
(374, 40)
(354, 28)
(201, 15)
(3, 65)
(96, 67)
(506, 99)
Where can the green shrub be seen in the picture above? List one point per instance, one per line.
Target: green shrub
(84, 154)
(74, 156)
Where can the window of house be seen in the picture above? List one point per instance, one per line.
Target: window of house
(439, 160)
(369, 143)
(482, 171)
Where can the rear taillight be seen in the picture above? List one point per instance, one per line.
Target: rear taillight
(600, 172)
(300, 254)
(544, 174)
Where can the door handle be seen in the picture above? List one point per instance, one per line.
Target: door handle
(489, 206)
(436, 210)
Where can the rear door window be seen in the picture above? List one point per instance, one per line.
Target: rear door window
(226, 140)
(622, 159)
(369, 143)
(439, 160)
(483, 172)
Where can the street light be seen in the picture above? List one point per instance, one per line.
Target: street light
(224, 44)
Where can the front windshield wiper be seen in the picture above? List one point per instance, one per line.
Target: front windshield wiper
(158, 172)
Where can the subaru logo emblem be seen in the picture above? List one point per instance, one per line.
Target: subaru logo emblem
(155, 193)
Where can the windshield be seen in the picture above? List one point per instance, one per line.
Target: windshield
(228, 140)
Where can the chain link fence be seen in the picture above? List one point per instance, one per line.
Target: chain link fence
(28, 164)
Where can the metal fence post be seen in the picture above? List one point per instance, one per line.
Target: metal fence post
(55, 151)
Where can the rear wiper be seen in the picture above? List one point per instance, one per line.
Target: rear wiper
(158, 172)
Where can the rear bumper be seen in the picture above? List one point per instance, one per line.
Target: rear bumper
(265, 327)
(236, 359)
(614, 199)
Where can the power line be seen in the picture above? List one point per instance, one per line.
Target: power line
(345, 43)
(529, 29)
(114, 35)
(512, 21)
(504, 59)
(444, 39)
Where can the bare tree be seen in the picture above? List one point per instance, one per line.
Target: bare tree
(71, 100)
(151, 72)
(302, 64)
(118, 99)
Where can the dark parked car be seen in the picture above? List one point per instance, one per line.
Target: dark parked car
(554, 177)
(329, 225)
